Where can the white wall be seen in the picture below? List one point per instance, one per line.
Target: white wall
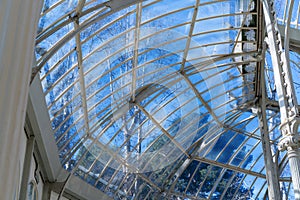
(18, 22)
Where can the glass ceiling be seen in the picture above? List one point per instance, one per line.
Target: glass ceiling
(158, 99)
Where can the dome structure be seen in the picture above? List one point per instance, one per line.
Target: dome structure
(161, 99)
(170, 99)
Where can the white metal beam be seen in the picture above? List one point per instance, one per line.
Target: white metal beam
(114, 5)
(272, 173)
(286, 93)
(136, 49)
(188, 43)
(76, 188)
(80, 69)
(234, 168)
(38, 118)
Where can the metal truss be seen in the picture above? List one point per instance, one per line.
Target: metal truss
(243, 109)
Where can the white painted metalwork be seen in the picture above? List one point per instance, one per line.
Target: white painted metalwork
(285, 90)
(120, 113)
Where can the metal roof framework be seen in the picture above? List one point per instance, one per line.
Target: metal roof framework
(144, 95)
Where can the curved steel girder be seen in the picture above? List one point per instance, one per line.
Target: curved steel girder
(114, 8)
(129, 72)
(114, 5)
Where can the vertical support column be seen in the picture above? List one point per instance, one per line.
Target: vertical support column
(293, 155)
(271, 168)
(18, 22)
(290, 142)
(286, 95)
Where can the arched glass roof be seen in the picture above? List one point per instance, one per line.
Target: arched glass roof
(158, 99)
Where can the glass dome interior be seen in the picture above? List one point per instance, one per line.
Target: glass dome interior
(159, 99)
